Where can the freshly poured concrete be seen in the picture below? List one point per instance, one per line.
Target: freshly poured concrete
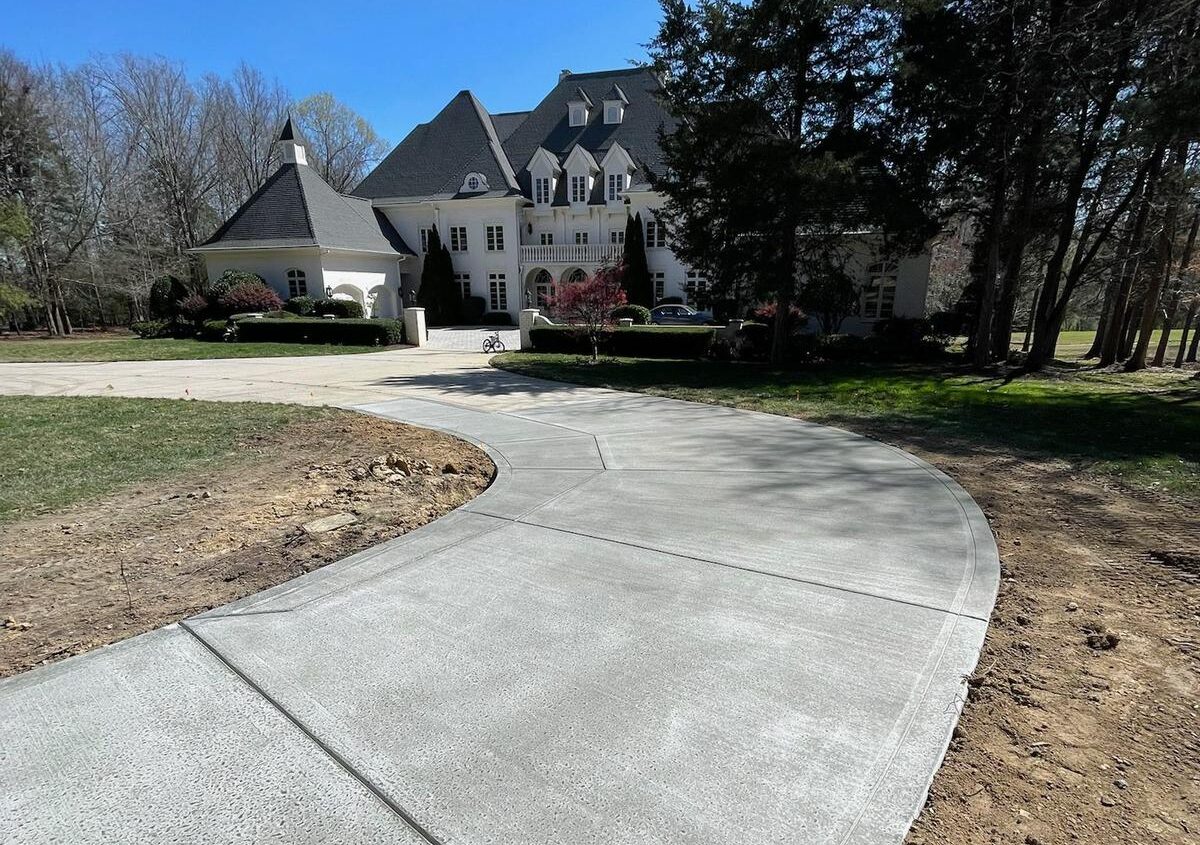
(663, 623)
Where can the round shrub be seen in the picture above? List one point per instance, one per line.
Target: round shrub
(150, 328)
(344, 308)
(302, 305)
(216, 330)
(638, 313)
(252, 296)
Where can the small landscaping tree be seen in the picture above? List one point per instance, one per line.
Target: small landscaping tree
(589, 305)
(438, 294)
(639, 287)
(166, 292)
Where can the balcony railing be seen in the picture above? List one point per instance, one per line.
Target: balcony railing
(594, 254)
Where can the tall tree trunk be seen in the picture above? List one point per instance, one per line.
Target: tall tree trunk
(1162, 270)
(1187, 328)
(981, 347)
(1037, 294)
(1114, 336)
(1191, 355)
(1110, 293)
(1164, 338)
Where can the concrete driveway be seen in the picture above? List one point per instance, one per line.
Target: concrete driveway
(664, 623)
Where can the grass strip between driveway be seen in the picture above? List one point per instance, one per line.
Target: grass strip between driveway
(158, 349)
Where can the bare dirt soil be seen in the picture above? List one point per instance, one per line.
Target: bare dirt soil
(1083, 720)
(147, 556)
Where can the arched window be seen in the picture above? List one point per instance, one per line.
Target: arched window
(879, 294)
(297, 282)
(543, 288)
(577, 275)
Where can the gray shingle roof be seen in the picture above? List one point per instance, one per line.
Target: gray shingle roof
(296, 207)
(547, 125)
(433, 160)
(436, 157)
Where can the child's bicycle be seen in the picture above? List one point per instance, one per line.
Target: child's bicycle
(492, 344)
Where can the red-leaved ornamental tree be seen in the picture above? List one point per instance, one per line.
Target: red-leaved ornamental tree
(588, 305)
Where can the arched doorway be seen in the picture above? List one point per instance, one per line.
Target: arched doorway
(381, 302)
(539, 288)
(349, 292)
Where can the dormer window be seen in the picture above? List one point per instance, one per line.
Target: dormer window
(578, 189)
(615, 102)
(541, 190)
(473, 184)
(616, 186)
(578, 114)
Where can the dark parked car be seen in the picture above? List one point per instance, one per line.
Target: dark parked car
(679, 315)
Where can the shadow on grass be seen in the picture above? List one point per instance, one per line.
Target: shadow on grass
(1121, 420)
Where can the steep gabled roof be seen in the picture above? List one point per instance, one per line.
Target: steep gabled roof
(436, 156)
(297, 208)
(547, 125)
(507, 122)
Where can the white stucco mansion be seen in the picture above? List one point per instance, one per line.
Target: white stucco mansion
(524, 201)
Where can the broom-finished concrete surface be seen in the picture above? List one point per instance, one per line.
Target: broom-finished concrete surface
(663, 623)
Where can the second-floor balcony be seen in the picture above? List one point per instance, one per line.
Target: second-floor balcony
(593, 254)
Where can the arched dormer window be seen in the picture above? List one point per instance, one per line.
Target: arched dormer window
(474, 183)
(297, 282)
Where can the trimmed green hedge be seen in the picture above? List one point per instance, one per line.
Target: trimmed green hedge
(336, 332)
(631, 342)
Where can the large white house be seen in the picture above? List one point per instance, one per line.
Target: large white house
(524, 200)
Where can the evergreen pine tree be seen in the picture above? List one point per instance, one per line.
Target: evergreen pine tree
(639, 287)
(438, 294)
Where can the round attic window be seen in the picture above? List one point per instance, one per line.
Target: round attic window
(474, 183)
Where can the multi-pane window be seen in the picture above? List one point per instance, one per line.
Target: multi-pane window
(578, 189)
(464, 283)
(546, 238)
(696, 287)
(541, 190)
(425, 240)
(497, 291)
(297, 283)
(656, 235)
(458, 238)
(543, 289)
(578, 115)
(495, 238)
(879, 295)
(616, 184)
(616, 236)
(581, 237)
(660, 285)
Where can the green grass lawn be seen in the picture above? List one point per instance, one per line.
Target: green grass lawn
(58, 450)
(158, 349)
(1142, 428)
(1072, 346)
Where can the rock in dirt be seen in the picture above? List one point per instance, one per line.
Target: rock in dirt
(1101, 639)
(329, 523)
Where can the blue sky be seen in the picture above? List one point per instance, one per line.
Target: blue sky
(396, 63)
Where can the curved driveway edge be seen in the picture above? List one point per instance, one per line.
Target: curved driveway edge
(663, 622)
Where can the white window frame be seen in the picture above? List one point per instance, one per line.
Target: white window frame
(543, 291)
(497, 290)
(577, 114)
(616, 186)
(542, 192)
(579, 191)
(695, 283)
(612, 113)
(546, 239)
(464, 283)
(297, 281)
(458, 238)
(495, 237)
(656, 235)
(879, 294)
(581, 237)
(660, 285)
(617, 237)
(423, 234)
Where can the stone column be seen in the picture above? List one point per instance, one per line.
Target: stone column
(414, 326)
(527, 319)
